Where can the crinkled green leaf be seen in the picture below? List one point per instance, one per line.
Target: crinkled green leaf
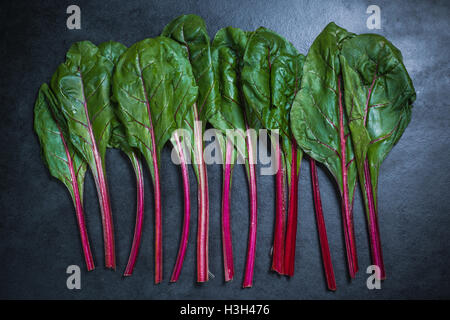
(57, 151)
(190, 31)
(228, 49)
(378, 96)
(315, 115)
(112, 50)
(82, 85)
(271, 78)
(154, 86)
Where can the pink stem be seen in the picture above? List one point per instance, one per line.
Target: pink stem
(251, 248)
(139, 216)
(325, 249)
(227, 245)
(108, 229)
(374, 231)
(187, 212)
(157, 194)
(83, 233)
(280, 217)
(291, 232)
(203, 204)
(346, 209)
(102, 190)
(158, 226)
(78, 208)
(158, 219)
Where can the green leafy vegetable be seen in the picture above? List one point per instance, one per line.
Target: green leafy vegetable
(112, 51)
(182, 153)
(271, 77)
(82, 86)
(62, 160)
(154, 86)
(190, 32)
(346, 105)
(227, 51)
(378, 98)
(119, 141)
(319, 123)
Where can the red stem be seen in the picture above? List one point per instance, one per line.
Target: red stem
(227, 245)
(346, 209)
(158, 223)
(325, 249)
(203, 204)
(157, 194)
(139, 216)
(187, 212)
(280, 216)
(83, 233)
(291, 231)
(374, 231)
(108, 229)
(78, 208)
(102, 190)
(158, 219)
(251, 247)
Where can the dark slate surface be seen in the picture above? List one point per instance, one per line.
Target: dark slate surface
(38, 236)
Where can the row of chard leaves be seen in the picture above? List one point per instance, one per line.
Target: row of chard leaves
(345, 105)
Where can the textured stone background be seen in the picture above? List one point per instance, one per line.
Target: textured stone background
(38, 235)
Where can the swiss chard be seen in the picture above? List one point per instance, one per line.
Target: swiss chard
(271, 77)
(378, 98)
(227, 51)
(320, 126)
(190, 32)
(119, 141)
(63, 162)
(112, 51)
(180, 147)
(321, 228)
(82, 87)
(154, 87)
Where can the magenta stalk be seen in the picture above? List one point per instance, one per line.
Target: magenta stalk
(187, 212)
(346, 209)
(102, 191)
(291, 228)
(227, 245)
(374, 231)
(139, 215)
(251, 246)
(323, 239)
(280, 215)
(203, 204)
(78, 208)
